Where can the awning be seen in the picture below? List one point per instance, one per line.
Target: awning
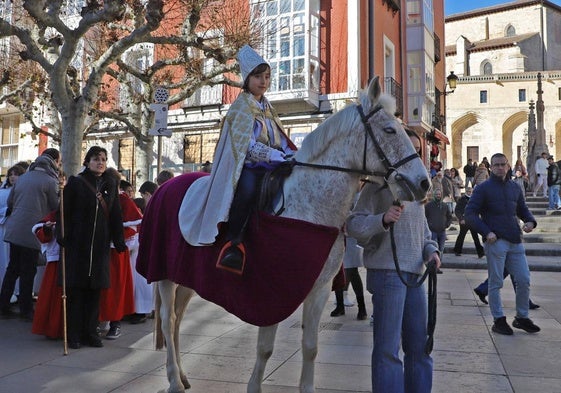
(441, 136)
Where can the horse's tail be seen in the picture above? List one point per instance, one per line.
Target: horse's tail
(159, 339)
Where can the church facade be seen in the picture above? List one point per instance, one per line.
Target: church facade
(497, 53)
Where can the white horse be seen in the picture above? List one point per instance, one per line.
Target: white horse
(356, 141)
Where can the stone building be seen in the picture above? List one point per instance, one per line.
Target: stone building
(497, 53)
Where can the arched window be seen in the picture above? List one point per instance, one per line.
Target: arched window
(510, 31)
(486, 68)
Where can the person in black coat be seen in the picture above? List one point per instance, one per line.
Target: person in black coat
(459, 211)
(92, 219)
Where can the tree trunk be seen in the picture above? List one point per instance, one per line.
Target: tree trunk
(71, 144)
(144, 151)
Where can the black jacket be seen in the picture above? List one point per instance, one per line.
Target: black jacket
(469, 170)
(438, 216)
(89, 227)
(461, 207)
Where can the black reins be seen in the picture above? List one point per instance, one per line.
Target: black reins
(390, 168)
(431, 274)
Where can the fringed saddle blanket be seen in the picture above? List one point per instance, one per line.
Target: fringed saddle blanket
(284, 258)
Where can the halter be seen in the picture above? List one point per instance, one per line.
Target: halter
(368, 129)
(390, 168)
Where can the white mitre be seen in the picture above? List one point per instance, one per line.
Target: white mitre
(249, 59)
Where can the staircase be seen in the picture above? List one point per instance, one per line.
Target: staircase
(543, 244)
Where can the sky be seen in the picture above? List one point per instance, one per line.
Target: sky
(455, 6)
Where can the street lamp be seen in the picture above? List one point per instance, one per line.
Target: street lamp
(452, 81)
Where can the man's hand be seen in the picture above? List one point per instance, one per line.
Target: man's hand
(436, 258)
(392, 215)
(528, 227)
(491, 237)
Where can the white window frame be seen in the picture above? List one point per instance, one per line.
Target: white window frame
(293, 75)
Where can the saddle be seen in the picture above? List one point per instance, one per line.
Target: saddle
(271, 188)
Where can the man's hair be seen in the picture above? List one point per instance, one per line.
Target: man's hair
(149, 187)
(164, 176)
(123, 185)
(51, 152)
(498, 155)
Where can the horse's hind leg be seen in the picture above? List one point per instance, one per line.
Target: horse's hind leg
(168, 290)
(265, 346)
(313, 307)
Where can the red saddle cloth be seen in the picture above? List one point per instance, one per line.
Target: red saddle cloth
(283, 258)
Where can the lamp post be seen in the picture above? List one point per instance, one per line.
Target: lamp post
(452, 82)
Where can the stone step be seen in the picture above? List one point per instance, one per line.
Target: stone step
(535, 243)
(468, 261)
(532, 249)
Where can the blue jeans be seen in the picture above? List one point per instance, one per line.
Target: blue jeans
(400, 320)
(503, 254)
(554, 201)
(440, 238)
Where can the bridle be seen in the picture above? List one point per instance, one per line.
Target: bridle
(368, 133)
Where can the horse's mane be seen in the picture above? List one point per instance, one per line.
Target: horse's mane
(339, 123)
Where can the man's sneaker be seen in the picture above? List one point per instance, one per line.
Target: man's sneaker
(113, 333)
(525, 324)
(501, 327)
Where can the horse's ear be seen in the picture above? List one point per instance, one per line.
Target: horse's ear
(374, 89)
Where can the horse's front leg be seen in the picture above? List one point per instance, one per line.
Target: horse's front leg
(313, 308)
(182, 297)
(167, 291)
(265, 346)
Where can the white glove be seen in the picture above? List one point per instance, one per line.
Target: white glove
(276, 156)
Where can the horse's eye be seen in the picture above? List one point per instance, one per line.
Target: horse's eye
(389, 130)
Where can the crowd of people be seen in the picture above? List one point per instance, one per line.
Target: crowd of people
(91, 222)
(92, 227)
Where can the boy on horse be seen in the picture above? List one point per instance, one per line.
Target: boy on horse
(252, 142)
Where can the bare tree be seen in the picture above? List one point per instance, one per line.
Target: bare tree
(81, 55)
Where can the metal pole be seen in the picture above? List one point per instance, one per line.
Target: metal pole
(63, 267)
(159, 162)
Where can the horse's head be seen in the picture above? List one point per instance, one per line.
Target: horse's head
(389, 151)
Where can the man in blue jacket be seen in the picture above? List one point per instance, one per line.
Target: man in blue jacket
(494, 211)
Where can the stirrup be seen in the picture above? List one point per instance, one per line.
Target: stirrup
(230, 269)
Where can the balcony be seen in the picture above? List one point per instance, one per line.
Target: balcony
(394, 89)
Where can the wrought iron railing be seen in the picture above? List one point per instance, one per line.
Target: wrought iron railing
(394, 89)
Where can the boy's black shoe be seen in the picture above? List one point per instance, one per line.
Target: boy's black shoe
(501, 327)
(481, 295)
(232, 258)
(525, 324)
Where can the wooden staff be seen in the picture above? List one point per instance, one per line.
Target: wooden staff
(63, 267)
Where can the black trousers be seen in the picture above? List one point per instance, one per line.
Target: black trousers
(244, 202)
(23, 264)
(83, 313)
(459, 245)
